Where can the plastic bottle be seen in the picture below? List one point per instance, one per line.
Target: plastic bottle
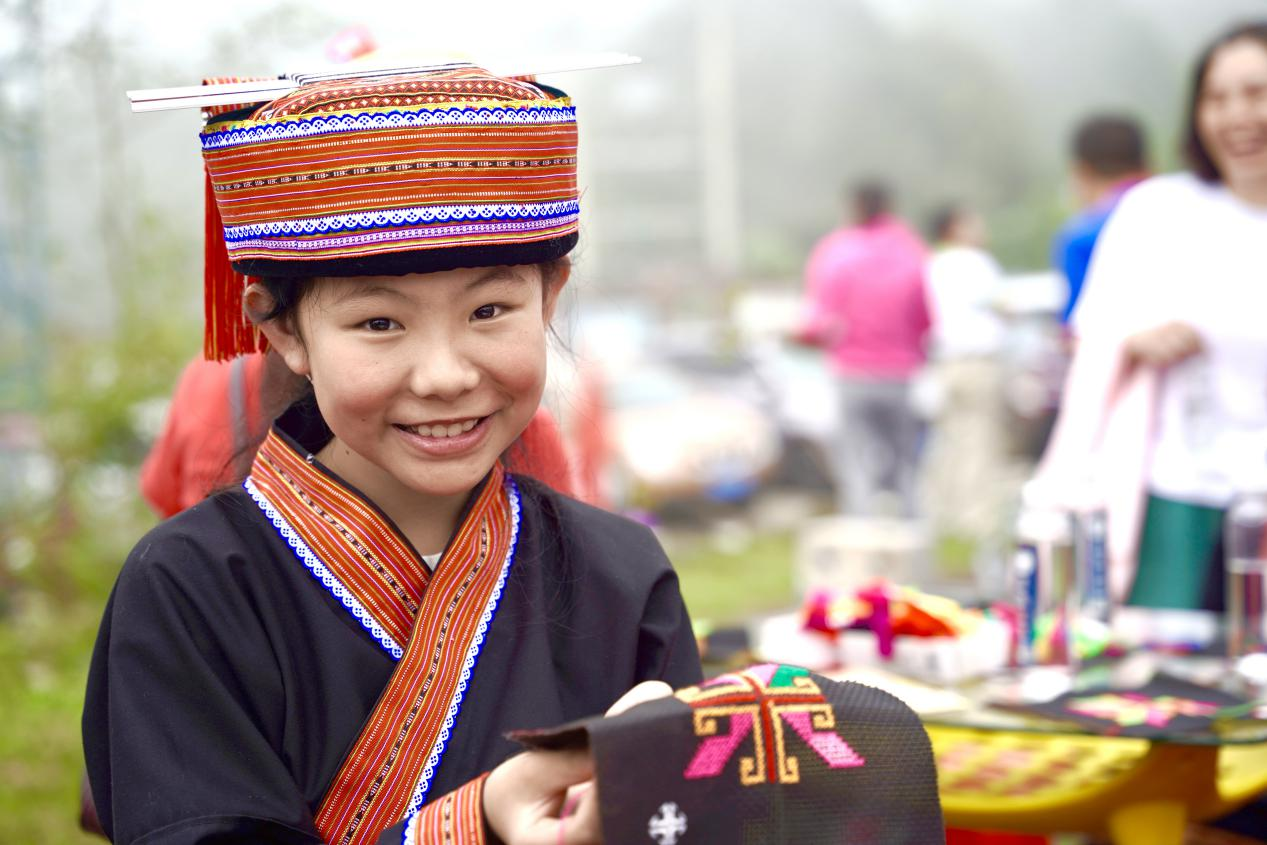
(1245, 549)
(1089, 515)
(1044, 581)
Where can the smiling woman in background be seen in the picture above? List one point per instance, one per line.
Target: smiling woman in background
(1167, 396)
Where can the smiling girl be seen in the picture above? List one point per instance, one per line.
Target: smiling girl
(334, 651)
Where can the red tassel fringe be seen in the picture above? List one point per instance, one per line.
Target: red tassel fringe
(228, 331)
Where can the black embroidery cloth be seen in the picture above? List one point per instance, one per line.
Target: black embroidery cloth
(772, 754)
(1165, 706)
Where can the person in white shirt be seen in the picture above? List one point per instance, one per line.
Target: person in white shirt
(967, 459)
(1177, 295)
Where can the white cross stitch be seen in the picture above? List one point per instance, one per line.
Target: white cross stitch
(666, 825)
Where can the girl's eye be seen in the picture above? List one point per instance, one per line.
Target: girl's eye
(379, 324)
(486, 312)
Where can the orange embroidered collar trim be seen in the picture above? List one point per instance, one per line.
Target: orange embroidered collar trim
(442, 618)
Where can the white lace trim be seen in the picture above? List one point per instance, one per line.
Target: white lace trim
(411, 830)
(322, 574)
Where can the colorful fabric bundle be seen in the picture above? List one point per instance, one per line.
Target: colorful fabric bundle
(771, 754)
(888, 611)
(385, 175)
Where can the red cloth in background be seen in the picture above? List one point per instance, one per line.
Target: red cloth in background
(194, 453)
(540, 452)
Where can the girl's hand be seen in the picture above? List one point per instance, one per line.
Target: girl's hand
(548, 797)
(1164, 345)
(640, 693)
(523, 798)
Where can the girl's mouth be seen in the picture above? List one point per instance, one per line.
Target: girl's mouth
(445, 438)
(443, 429)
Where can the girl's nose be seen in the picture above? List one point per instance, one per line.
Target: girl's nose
(442, 371)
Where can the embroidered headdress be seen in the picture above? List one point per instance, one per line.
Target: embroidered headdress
(384, 175)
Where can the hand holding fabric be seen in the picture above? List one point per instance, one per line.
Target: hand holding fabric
(524, 798)
(529, 799)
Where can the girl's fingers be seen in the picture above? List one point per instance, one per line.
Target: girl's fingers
(552, 772)
(524, 795)
(643, 692)
(584, 827)
(579, 827)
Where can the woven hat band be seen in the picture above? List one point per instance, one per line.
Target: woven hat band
(390, 176)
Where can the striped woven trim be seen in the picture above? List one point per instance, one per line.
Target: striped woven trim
(455, 819)
(407, 731)
(421, 790)
(444, 235)
(344, 536)
(402, 217)
(444, 114)
(457, 84)
(323, 574)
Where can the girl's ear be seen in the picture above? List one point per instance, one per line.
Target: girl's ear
(282, 332)
(552, 282)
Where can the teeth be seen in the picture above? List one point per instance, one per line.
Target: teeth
(451, 430)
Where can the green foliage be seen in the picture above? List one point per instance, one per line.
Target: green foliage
(60, 550)
(725, 586)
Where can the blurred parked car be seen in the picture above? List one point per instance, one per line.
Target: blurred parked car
(674, 436)
(681, 420)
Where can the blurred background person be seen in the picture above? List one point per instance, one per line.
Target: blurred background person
(966, 460)
(215, 421)
(1109, 157)
(866, 305)
(1168, 388)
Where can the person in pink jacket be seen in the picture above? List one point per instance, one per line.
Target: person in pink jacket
(867, 307)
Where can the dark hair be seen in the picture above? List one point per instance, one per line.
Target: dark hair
(1110, 144)
(869, 200)
(1194, 150)
(943, 220)
(286, 293)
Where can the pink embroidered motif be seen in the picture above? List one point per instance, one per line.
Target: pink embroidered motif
(759, 703)
(835, 752)
(714, 753)
(1131, 709)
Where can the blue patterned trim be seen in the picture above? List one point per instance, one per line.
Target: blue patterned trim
(363, 121)
(472, 655)
(390, 235)
(321, 573)
(400, 217)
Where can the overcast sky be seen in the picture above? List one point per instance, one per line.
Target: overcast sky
(177, 31)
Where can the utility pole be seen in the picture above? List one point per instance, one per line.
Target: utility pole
(722, 224)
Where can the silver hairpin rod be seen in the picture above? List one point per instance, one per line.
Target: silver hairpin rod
(241, 93)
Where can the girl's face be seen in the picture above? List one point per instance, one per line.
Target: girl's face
(425, 379)
(1232, 112)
